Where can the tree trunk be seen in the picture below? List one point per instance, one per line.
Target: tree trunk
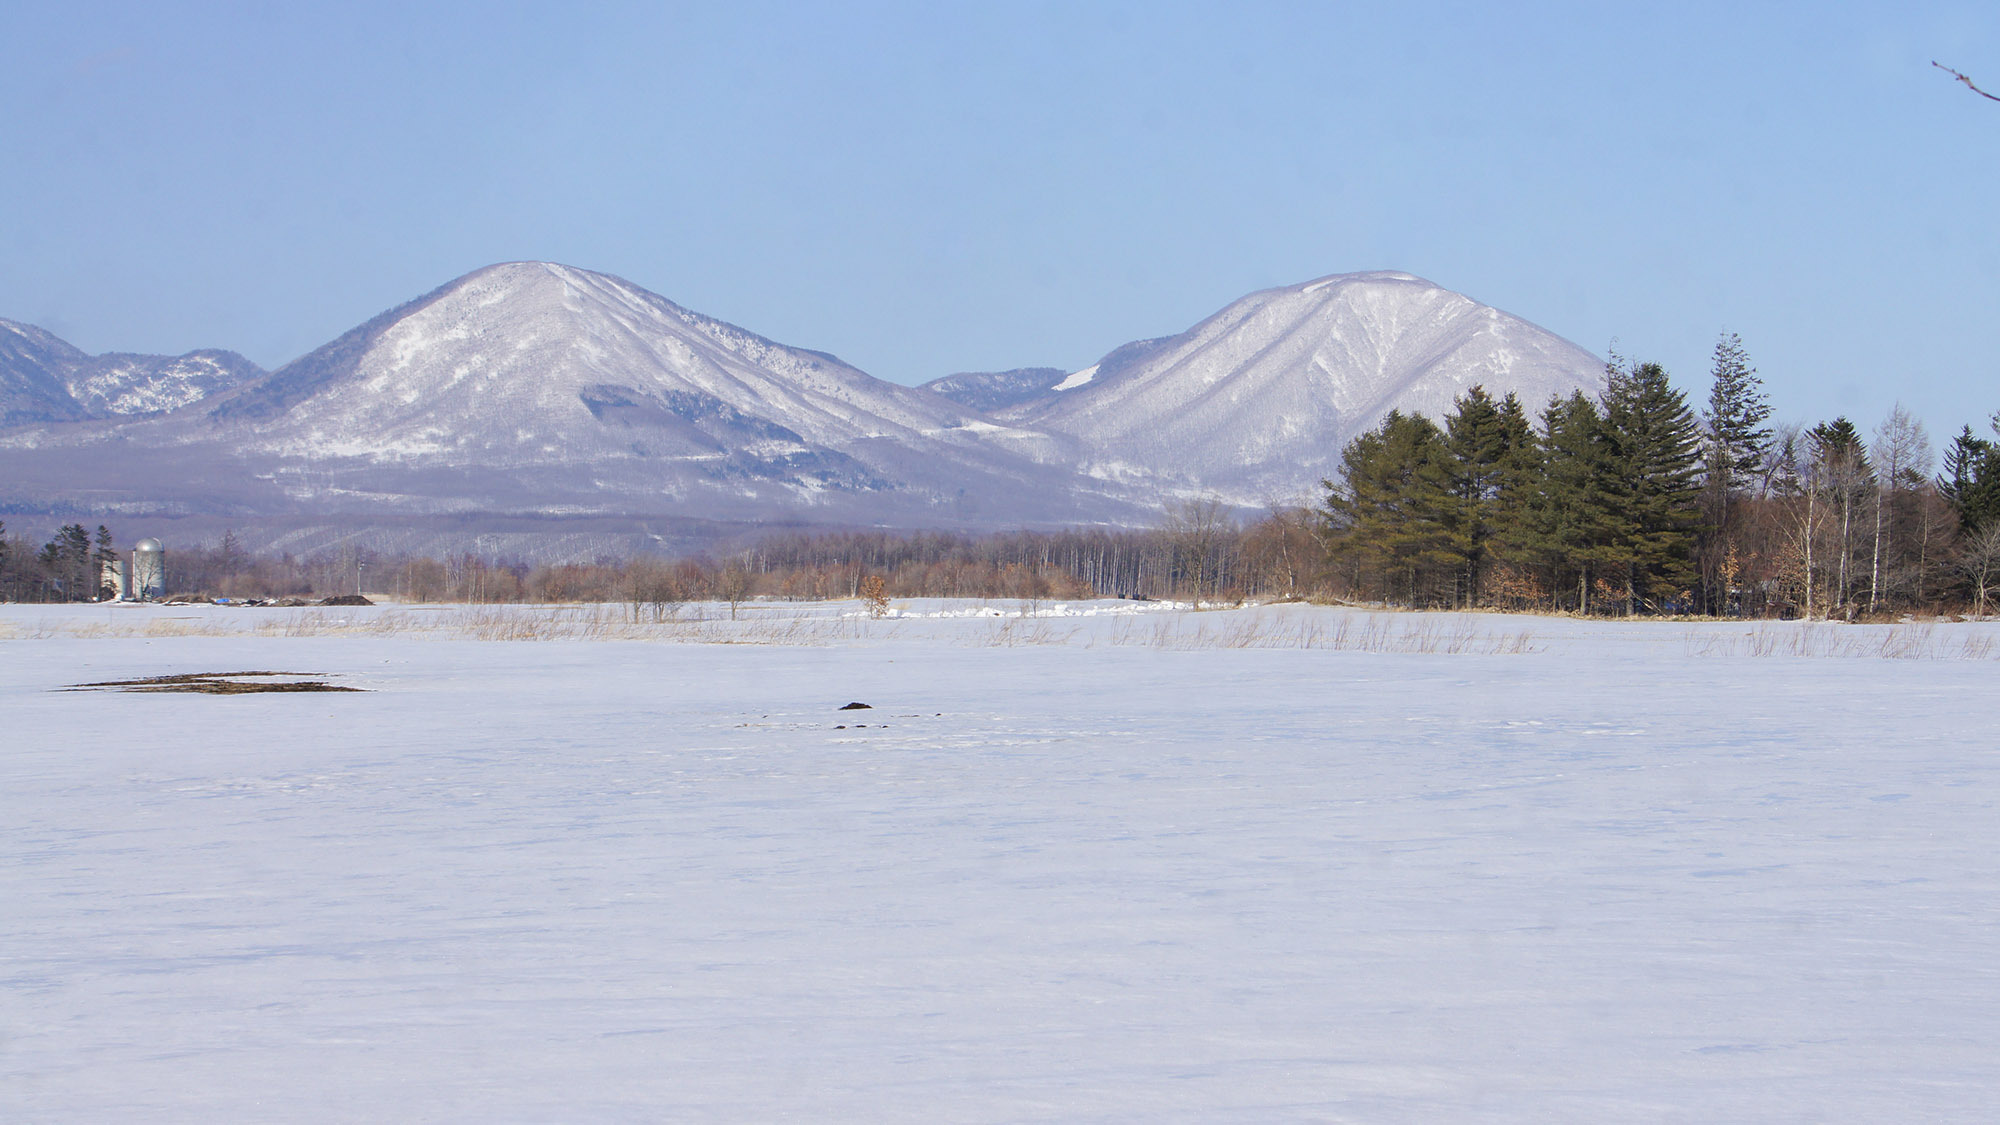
(1875, 563)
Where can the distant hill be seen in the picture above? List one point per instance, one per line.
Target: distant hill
(46, 379)
(573, 408)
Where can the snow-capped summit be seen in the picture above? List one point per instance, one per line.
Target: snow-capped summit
(562, 389)
(1256, 402)
(532, 360)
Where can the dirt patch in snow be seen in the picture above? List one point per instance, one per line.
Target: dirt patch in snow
(219, 683)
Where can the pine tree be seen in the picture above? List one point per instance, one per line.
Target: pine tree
(102, 559)
(65, 559)
(1655, 444)
(1570, 517)
(1971, 479)
(1477, 444)
(1384, 514)
(1736, 454)
(1737, 439)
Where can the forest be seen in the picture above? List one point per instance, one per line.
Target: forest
(1633, 503)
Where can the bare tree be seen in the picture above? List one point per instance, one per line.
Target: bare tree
(1902, 453)
(1980, 562)
(1968, 82)
(1195, 530)
(732, 585)
(654, 590)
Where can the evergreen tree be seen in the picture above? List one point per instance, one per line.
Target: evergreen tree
(1384, 514)
(1736, 457)
(65, 559)
(1478, 445)
(1971, 479)
(102, 559)
(1570, 515)
(1737, 439)
(1520, 475)
(1655, 449)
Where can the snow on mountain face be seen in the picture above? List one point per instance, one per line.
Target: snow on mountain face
(45, 379)
(586, 391)
(32, 363)
(535, 361)
(118, 383)
(544, 391)
(996, 390)
(1256, 402)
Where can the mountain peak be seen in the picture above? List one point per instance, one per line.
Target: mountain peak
(1257, 401)
(1363, 277)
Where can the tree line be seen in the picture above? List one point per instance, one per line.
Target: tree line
(70, 567)
(1199, 551)
(1631, 501)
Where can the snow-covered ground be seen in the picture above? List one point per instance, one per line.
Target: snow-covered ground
(1131, 864)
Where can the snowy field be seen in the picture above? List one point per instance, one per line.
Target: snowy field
(1108, 862)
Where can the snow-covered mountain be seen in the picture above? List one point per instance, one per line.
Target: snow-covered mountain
(539, 388)
(44, 378)
(1255, 403)
(554, 402)
(32, 364)
(528, 362)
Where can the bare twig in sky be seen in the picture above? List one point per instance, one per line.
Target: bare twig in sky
(1968, 82)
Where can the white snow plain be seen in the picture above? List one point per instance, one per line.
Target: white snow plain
(1257, 865)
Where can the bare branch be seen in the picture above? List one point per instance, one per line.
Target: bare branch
(1967, 81)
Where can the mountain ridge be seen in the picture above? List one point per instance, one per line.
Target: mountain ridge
(549, 391)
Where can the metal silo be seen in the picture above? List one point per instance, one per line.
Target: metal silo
(149, 569)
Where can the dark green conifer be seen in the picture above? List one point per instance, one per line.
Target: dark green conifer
(1384, 513)
(1971, 479)
(1571, 519)
(1655, 451)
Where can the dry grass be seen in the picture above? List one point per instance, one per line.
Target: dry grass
(1446, 634)
(1915, 641)
(1454, 635)
(1019, 631)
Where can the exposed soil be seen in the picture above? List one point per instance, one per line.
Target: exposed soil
(217, 683)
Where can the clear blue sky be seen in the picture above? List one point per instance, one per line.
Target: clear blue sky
(928, 188)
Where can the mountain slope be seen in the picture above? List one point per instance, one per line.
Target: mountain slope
(46, 379)
(32, 364)
(539, 388)
(119, 383)
(528, 359)
(1256, 402)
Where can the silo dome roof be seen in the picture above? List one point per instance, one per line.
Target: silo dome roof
(149, 546)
